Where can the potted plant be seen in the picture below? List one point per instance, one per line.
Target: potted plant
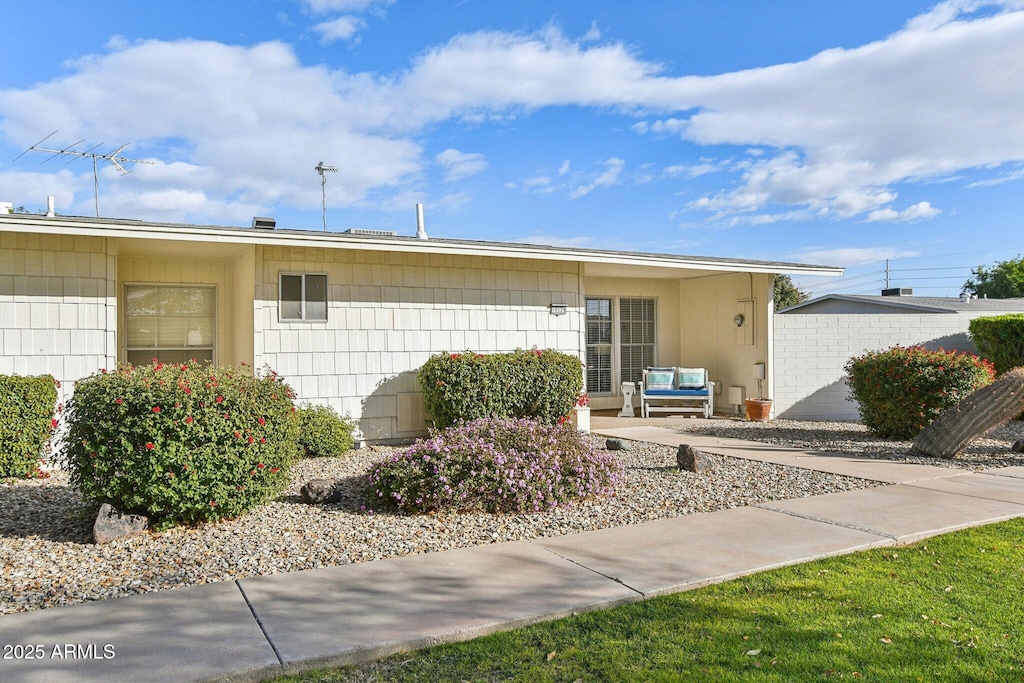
(759, 409)
(581, 414)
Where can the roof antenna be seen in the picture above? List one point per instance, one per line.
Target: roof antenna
(111, 157)
(323, 170)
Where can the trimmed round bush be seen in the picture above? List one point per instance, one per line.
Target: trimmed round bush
(322, 432)
(900, 391)
(495, 465)
(538, 384)
(27, 421)
(1000, 338)
(181, 443)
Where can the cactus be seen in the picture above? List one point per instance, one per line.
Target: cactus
(972, 417)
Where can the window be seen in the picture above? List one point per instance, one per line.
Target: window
(620, 341)
(599, 346)
(636, 338)
(171, 323)
(303, 297)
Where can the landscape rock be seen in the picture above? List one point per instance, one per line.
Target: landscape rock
(112, 524)
(318, 491)
(615, 445)
(692, 460)
(1018, 446)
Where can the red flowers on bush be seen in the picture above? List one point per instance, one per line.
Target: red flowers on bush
(902, 390)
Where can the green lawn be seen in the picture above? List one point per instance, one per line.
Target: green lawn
(947, 609)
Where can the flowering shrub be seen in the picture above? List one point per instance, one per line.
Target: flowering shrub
(26, 422)
(323, 433)
(543, 385)
(181, 443)
(496, 465)
(1000, 338)
(900, 391)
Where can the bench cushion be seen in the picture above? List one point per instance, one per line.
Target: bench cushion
(677, 393)
(690, 378)
(660, 378)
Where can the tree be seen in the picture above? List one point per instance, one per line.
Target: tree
(1005, 280)
(786, 293)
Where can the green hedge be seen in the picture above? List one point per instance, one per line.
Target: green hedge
(902, 390)
(27, 406)
(1000, 338)
(181, 443)
(542, 385)
(322, 432)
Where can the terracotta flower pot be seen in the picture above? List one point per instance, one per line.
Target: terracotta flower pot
(759, 409)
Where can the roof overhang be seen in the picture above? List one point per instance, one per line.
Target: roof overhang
(895, 303)
(600, 262)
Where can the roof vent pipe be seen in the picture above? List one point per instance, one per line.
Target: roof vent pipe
(421, 234)
(49, 207)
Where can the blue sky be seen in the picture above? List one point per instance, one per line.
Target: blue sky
(839, 133)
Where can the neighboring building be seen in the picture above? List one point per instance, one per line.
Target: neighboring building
(815, 339)
(348, 318)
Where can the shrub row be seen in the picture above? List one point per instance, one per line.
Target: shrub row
(1000, 338)
(181, 443)
(901, 390)
(495, 465)
(543, 385)
(27, 407)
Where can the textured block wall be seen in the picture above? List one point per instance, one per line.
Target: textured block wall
(388, 313)
(57, 306)
(811, 350)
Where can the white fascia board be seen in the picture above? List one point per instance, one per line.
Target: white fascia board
(287, 238)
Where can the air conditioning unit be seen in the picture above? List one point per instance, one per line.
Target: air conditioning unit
(264, 222)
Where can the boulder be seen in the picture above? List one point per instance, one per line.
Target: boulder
(1018, 446)
(615, 445)
(317, 491)
(112, 524)
(692, 460)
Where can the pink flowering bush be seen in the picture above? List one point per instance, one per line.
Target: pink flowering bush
(181, 443)
(495, 465)
(900, 391)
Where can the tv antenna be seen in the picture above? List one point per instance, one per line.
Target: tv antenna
(113, 158)
(323, 171)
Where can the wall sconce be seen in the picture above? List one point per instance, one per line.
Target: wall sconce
(738, 320)
(559, 309)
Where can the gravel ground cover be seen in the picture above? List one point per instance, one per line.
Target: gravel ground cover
(992, 450)
(48, 558)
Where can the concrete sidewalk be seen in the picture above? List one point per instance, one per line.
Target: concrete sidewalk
(258, 627)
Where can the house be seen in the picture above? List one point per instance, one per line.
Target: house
(815, 339)
(349, 317)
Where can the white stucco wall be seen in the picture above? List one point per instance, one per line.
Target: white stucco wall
(811, 350)
(389, 312)
(57, 306)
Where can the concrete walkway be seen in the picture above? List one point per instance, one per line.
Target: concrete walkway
(256, 628)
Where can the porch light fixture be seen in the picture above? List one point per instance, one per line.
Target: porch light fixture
(559, 309)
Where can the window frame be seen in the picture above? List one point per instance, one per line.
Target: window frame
(616, 344)
(124, 347)
(304, 318)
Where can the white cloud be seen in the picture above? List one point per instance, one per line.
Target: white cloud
(329, 6)
(837, 131)
(607, 178)
(850, 257)
(917, 212)
(341, 28)
(564, 168)
(459, 165)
